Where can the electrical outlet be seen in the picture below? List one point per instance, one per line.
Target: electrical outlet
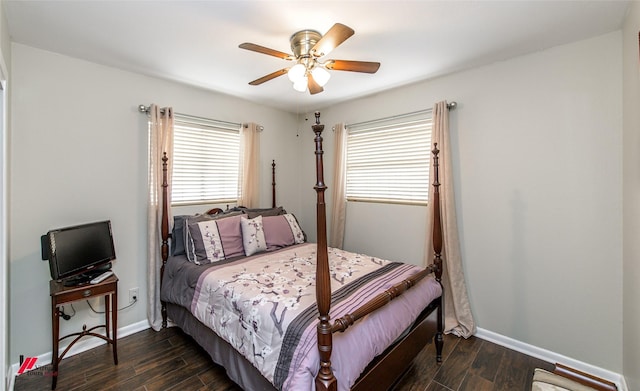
(133, 295)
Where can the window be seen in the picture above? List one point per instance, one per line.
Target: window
(388, 159)
(206, 161)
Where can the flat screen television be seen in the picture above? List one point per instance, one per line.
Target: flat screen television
(77, 254)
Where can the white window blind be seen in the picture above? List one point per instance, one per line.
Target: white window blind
(206, 161)
(388, 159)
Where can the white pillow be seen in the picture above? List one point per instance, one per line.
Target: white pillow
(253, 238)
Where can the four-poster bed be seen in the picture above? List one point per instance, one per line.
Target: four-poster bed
(255, 316)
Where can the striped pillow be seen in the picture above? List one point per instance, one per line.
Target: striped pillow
(212, 240)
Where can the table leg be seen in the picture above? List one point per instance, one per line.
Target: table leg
(106, 316)
(55, 321)
(114, 324)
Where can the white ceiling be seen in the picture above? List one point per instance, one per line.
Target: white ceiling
(196, 42)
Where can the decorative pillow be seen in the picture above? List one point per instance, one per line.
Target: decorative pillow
(189, 248)
(231, 235)
(177, 236)
(298, 233)
(213, 239)
(281, 231)
(253, 236)
(186, 234)
(207, 244)
(253, 213)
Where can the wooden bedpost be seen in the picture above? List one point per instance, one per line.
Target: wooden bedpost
(273, 183)
(325, 380)
(437, 248)
(164, 229)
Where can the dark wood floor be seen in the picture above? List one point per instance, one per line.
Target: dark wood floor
(170, 360)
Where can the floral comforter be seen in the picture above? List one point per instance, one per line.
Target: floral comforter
(265, 308)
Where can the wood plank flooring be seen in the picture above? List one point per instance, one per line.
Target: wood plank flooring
(170, 360)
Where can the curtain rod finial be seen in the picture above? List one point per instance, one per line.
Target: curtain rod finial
(452, 105)
(142, 108)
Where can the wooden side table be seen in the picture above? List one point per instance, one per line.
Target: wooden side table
(61, 294)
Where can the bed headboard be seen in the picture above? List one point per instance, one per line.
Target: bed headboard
(273, 183)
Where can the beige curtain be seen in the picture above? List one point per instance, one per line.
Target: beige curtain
(458, 317)
(338, 197)
(160, 142)
(249, 180)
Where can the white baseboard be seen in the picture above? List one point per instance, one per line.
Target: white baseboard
(552, 357)
(81, 346)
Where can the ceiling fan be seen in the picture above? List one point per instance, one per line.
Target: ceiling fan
(308, 47)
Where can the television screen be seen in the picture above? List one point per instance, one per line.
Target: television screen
(78, 249)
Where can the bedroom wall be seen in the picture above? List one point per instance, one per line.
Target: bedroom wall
(631, 195)
(537, 148)
(79, 154)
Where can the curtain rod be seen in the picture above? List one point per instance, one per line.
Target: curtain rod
(450, 106)
(145, 109)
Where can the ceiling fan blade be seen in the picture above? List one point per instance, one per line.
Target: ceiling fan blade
(334, 37)
(269, 77)
(353, 66)
(261, 49)
(314, 87)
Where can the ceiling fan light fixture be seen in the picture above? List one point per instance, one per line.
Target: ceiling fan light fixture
(320, 75)
(300, 85)
(297, 72)
(310, 72)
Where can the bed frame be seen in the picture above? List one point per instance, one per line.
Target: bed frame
(388, 367)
